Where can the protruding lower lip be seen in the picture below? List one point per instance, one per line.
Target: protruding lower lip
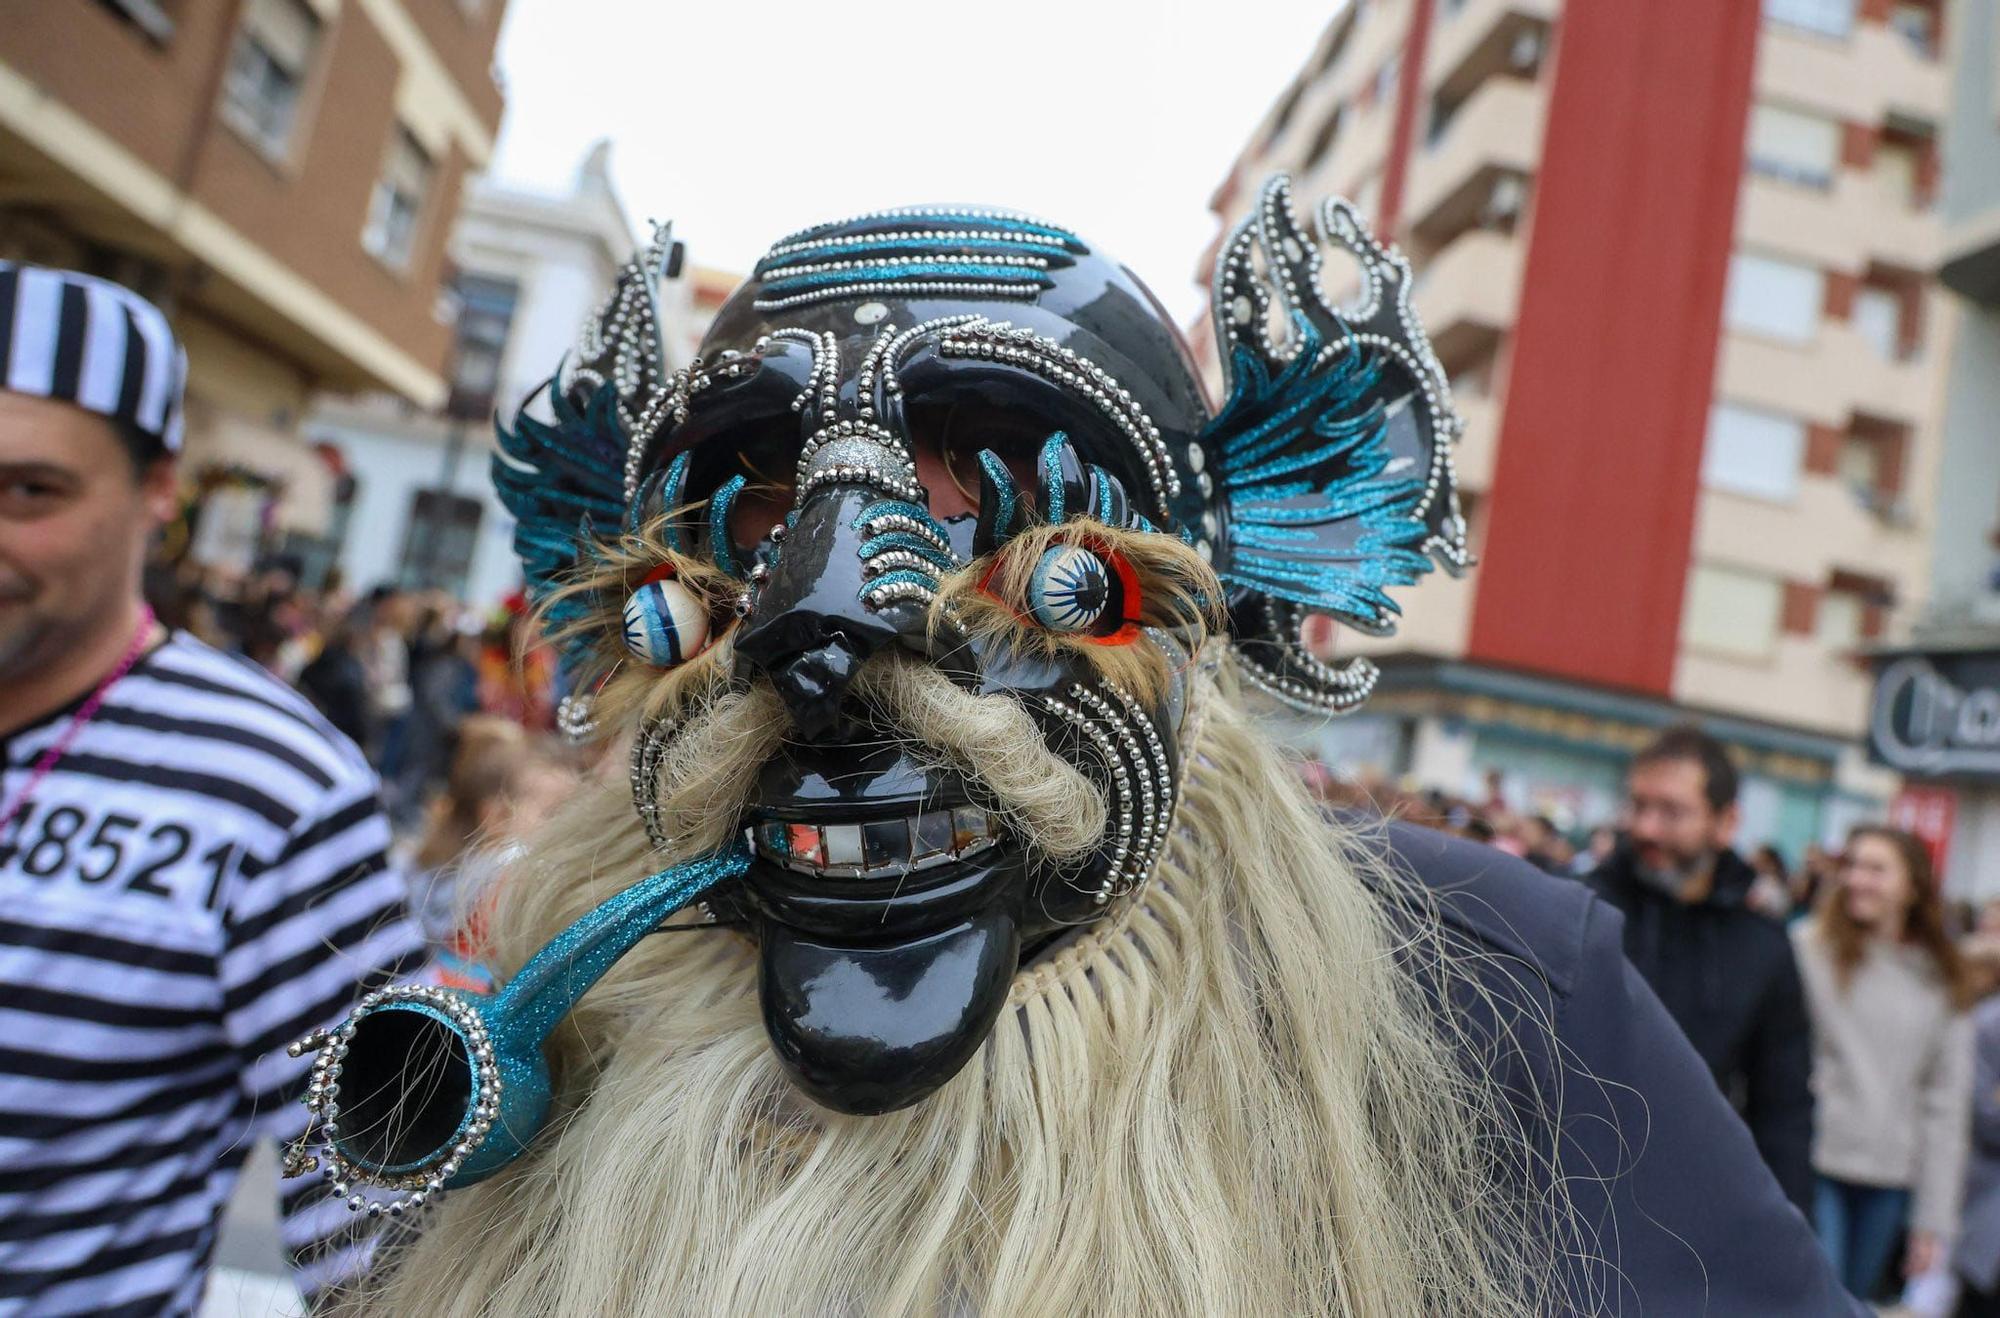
(876, 848)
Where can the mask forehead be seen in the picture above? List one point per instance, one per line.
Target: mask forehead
(1048, 308)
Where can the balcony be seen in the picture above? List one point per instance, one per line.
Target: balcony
(1357, 153)
(1496, 132)
(1801, 682)
(1822, 528)
(1827, 380)
(1856, 222)
(1468, 294)
(1478, 40)
(1873, 73)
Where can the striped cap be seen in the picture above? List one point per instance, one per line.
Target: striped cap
(84, 340)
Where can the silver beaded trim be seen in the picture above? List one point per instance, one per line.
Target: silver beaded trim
(804, 237)
(576, 718)
(890, 262)
(1144, 789)
(907, 288)
(620, 341)
(1001, 342)
(322, 1100)
(884, 523)
(1387, 265)
(1301, 680)
(861, 474)
(893, 592)
(857, 435)
(649, 747)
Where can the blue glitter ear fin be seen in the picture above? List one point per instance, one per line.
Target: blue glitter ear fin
(1332, 452)
(557, 478)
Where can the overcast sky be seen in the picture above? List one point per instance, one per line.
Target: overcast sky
(745, 120)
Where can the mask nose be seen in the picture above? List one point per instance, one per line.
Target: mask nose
(809, 631)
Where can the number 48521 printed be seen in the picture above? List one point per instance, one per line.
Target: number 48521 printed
(161, 858)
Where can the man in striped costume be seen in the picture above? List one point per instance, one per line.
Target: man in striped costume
(192, 867)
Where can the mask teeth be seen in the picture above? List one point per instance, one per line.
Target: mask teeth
(885, 847)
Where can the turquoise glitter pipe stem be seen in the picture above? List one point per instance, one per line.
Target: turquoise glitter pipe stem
(424, 1087)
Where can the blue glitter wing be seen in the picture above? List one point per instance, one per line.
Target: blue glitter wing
(1331, 455)
(565, 479)
(559, 480)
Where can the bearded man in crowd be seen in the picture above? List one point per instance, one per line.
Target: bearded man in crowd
(1010, 967)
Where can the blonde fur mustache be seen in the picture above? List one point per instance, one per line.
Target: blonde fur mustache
(707, 769)
(1227, 1097)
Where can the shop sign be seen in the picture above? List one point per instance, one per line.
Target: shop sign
(1938, 715)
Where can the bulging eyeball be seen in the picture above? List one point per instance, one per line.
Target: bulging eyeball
(1069, 589)
(665, 624)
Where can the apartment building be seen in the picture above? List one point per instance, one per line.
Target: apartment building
(416, 506)
(1936, 712)
(1678, 260)
(281, 176)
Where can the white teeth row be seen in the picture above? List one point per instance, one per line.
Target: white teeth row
(879, 846)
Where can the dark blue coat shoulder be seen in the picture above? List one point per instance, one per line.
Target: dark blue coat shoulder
(1673, 1209)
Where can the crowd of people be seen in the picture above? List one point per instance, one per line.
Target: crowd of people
(397, 671)
(1851, 1014)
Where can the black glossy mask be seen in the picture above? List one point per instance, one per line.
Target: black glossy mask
(889, 402)
(852, 442)
(893, 398)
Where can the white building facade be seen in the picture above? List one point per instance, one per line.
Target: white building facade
(417, 509)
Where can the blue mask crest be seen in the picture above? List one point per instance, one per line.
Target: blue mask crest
(1331, 456)
(559, 481)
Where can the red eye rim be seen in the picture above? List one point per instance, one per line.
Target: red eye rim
(1128, 593)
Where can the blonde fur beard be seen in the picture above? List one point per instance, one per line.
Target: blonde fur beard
(1228, 1098)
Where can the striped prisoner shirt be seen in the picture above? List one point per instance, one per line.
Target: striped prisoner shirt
(201, 880)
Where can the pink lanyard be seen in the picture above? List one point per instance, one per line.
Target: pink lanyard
(78, 721)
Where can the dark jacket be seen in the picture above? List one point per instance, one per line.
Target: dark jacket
(336, 682)
(1726, 974)
(1683, 1218)
(1977, 1257)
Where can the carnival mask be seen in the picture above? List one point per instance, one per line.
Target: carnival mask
(943, 498)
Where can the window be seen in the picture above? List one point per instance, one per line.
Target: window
(1860, 464)
(437, 548)
(398, 203)
(1385, 80)
(486, 311)
(146, 15)
(1323, 140)
(1831, 18)
(267, 71)
(1442, 113)
(1838, 621)
(1918, 24)
(1733, 612)
(1878, 319)
(1781, 299)
(1794, 146)
(1754, 452)
(1283, 117)
(1898, 170)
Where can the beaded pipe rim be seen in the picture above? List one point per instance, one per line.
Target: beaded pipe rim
(445, 1087)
